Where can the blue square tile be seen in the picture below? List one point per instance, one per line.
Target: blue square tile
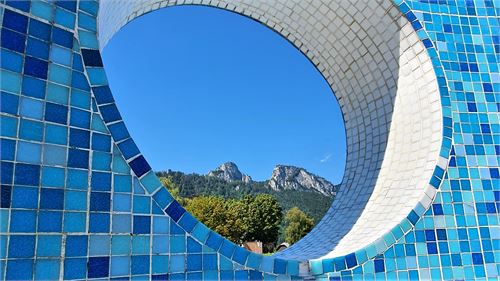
(33, 87)
(47, 269)
(21, 269)
(8, 149)
(13, 40)
(100, 201)
(98, 267)
(56, 113)
(62, 37)
(101, 181)
(140, 166)
(15, 21)
(39, 29)
(21, 246)
(52, 199)
(79, 138)
(49, 246)
(25, 197)
(37, 48)
(23, 5)
(78, 158)
(5, 192)
(27, 174)
(92, 58)
(80, 118)
(49, 221)
(76, 245)
(103, 95)
(99, 222)
(10, 103)
(175, 210)
(35, 67)
(142, 224)
(140, 264)
(75, 268)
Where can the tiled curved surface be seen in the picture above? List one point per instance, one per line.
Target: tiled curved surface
(389, 98)
(73, 208)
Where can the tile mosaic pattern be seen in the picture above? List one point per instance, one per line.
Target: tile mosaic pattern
(79, 201)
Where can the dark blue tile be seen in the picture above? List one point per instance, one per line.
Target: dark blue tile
(78, 158)
(50, 221)
(140, 166)
(379, 265)
(10, 103)
(79, 138)
(175, 210)
(100, 181)
(67, 4)
(15, 21)
(142, 224)
(76, 245)
(35, 67)
(99, 222)
(5, 192)
(62, 37)
(128, 148)
(477, 258)
(23, 5)
(119, 131)
(98, 267)
(33, 87)
(103, 95)
(13, 40)
(56, 113)
(21, 269)
(100, 201)
(351, 260)
(140, 265)
(7, 149)
(110, 113)
(52, 199)
(21, 246)
(27, 174)
(92, 57)
(6, 172)
(39, 29)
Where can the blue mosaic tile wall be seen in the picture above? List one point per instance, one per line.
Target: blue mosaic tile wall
(79, 201)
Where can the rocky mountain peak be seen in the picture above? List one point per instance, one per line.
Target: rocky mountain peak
(229, 172)
(287, 177)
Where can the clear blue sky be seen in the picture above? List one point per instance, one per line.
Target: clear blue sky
(199, 86)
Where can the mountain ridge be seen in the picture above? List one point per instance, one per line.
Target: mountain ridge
(284, 177)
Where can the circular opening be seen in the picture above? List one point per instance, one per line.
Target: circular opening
(202, 86)
(382, 76)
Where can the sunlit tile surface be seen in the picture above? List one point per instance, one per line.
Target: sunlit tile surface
(418, 83)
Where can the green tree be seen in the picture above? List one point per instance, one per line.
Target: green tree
(223, 216)
(298, 224)
(263, 218)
